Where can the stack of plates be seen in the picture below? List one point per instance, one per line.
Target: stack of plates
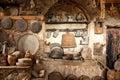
(24, 62)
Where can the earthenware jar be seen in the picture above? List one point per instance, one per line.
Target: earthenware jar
(11, 60)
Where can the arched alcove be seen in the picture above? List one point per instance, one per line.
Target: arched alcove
(64, 9)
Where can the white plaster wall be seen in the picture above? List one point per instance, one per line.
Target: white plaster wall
(93, 38)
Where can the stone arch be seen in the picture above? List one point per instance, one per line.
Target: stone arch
(68, 6)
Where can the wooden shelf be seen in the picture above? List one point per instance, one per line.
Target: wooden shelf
(65, 30)
(81, 22)
(38, 79)
(10, 67)
(24, 17)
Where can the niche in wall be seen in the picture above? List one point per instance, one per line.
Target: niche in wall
(66, 11)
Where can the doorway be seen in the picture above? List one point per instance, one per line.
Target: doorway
(113, 46)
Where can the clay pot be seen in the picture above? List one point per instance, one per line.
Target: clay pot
(11, 60)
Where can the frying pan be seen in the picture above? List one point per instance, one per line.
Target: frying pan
(36, 27)
(21, 25)
(6, 23)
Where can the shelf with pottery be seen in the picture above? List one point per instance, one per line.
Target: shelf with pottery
(5, 67)
(80, 22)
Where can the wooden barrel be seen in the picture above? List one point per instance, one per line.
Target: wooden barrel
(55, 76)
(71, 77)
(112, 75)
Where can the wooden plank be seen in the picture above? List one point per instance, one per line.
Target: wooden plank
(1, 67)
(38, 79)
(24, 17)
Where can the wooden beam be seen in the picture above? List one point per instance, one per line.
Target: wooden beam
(102, 5)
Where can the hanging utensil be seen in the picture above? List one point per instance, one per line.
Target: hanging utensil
(6, 23)
(32, 4)
(4, 47)
(56, 33)
(21, 25)
(36, 27)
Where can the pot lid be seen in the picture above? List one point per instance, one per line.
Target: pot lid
(36, 27)
(6, 23)
(21, 25)
(28, 42)
(52, 45)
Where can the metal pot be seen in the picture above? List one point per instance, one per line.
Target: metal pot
(56, 53)
(11, 60)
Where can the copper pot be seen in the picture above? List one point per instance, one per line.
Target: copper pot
(11, 60)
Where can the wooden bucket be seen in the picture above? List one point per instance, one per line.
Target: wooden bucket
(112, 75)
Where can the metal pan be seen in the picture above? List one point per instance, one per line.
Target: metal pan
(21, 25)
(6, 23)
(36, 27)
(28, 42)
